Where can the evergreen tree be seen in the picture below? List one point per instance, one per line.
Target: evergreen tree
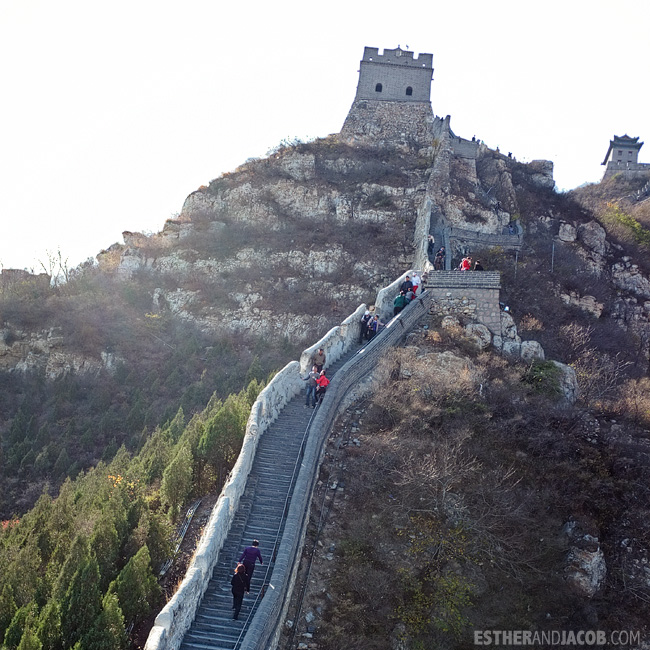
(108, 633)
(224, 433)
(136, 588)
(105, 545)
(177, 425)
(29, 641)
(49, 626)
(82, 603)
(17, 627)
(7, 609)
(177, 481)
(74, 560)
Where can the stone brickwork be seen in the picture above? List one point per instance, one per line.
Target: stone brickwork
(382, 123)
(471, 294)
(627, 170)
(394, 76)
(464, 239)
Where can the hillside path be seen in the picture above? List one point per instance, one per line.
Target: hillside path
(260, 515)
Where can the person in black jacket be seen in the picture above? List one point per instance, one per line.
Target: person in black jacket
(240, 585)
(406, 285)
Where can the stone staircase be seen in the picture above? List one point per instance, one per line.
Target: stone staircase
(260, 515)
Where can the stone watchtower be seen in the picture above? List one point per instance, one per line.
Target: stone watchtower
(392, 104)
(395, 76)
(623, 157)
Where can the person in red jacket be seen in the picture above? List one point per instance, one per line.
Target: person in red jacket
(321, 386)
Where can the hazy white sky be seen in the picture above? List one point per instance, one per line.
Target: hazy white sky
(111, 113)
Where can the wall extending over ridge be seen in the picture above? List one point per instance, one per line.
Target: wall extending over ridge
(177, 615)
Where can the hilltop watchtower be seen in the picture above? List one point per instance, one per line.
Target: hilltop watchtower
(623, 156)
(392, 105)
(395, 75)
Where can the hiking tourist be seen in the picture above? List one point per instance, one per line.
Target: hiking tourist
(319, 359)
(248, 557)
(439, 261)
(416, 282)
(399, 303)
(240, 584)
(311, 387)
(363, 330)
(321, 386)
(406, 285)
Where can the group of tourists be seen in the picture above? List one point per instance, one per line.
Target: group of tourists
(241, 580)
(317, 382)
(407, 291)
(466, 265)
(370, 326)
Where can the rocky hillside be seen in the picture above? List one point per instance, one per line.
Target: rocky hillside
(267, 258)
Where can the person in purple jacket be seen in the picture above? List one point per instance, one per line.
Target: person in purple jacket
(248, 558)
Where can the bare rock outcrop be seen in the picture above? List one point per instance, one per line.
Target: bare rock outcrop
(586, 569)
(44, 350)
(568, 382)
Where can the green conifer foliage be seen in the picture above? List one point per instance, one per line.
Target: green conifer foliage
(108, 632)
(16, 628)
(49, 626)
(7, 608)
(74, 561)
(177, 481)
(30, 641)
(82, 603)
(105, 545)
(136, 588)
(223, 436)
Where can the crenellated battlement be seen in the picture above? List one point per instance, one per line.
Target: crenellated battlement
(398, 56)
(394, 76)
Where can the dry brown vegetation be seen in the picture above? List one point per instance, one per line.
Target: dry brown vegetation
(448, 517)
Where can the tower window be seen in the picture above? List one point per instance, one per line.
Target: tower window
(409, 91)
(378, 88)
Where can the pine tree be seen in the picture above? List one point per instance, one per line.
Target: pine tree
(8, 609)
(105, 545)
(17, 627)
(108, 633)
(49, 626)
(177, 481)
(82, 603)
(136, 588)
(29, 641)
(74, 560)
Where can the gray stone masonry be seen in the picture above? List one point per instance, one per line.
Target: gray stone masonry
(394, 76)
(486, 240)
(474, 294)
(394, 123)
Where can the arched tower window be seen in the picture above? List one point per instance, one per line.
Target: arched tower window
(378, 88)
(409, 91)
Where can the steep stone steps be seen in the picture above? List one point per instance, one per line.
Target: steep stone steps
(260, 516)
